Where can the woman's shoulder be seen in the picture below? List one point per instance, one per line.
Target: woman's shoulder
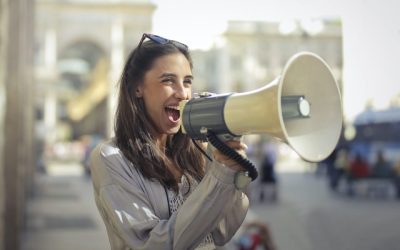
(108, 152)
(108, 160)
(106, 148)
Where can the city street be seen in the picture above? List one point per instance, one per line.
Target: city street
(307, 216)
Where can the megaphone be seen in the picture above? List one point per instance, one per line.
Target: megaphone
(302, 108)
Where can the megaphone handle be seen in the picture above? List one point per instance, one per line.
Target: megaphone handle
(226, 150)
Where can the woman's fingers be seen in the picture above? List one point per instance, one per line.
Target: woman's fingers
(239, 147)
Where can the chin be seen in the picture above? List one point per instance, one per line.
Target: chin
(173, 131)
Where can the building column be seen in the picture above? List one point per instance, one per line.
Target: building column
(3, 96)
(16, 35)
(50, 79)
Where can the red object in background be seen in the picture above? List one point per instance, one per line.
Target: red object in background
(251, 242)
(359, 168)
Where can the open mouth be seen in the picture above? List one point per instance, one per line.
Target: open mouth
(173, 113)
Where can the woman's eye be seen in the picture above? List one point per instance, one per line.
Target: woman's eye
(188, 81)
(167, 80)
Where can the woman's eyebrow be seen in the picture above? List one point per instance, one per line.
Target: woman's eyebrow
(189, 76)
(167, 75)
(174, 75)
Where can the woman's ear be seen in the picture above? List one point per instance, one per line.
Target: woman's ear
(138, 92)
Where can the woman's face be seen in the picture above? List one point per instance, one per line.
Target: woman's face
(168, 82)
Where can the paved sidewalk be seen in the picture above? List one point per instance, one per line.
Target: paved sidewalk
(62, 215)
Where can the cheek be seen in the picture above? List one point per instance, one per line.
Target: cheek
(154, 103)
(150, 103)
(189, 92)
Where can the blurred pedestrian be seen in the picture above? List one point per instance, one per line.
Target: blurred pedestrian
(358, 169)
(152, 184)
(341, 165)
(396, 169)
(268, 179)
(381, 167)
(329, 162)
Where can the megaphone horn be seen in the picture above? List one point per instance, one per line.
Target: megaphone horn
(302, 108)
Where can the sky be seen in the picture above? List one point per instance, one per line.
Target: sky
(371, 36)
(198, 22)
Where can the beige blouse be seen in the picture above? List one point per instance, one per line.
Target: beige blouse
(136, 210)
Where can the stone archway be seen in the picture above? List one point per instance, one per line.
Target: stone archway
(83, 73)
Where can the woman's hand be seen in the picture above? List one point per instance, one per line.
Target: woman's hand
(239, 147)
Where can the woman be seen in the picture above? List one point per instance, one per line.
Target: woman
(153, 186)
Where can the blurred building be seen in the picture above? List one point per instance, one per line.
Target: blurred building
(80, 49)
(251, 54)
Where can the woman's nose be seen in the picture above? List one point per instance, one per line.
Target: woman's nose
(181, 92)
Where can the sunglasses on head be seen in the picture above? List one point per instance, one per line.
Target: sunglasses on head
(162, 40)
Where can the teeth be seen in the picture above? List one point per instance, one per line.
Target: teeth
(173, 107)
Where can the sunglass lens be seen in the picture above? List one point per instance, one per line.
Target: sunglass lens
(180, 45)
(158, 39)
(162, 40)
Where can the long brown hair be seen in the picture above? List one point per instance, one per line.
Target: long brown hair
(133, 126)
